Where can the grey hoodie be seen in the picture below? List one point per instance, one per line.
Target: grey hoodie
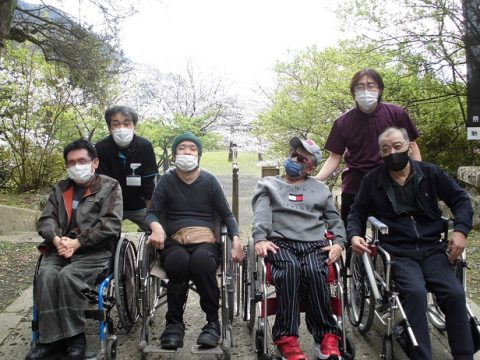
(297, 212)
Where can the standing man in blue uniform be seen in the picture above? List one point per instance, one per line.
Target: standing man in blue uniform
(130, 159)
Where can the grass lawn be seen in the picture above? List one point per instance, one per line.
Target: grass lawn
(217, 163)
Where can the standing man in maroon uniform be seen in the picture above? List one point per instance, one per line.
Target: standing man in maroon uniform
(354, 134)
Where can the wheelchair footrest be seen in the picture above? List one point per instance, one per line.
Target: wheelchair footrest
(198, 350)
(152, 349)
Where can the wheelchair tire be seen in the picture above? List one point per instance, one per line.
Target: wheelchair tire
(435, 314)
(111, 350)
(250, 304)
(126, 284)
(355, 277)
(360, 300)
(348, 349)
(387, 348)
(147, 285)
(231, 282)
(259, 339)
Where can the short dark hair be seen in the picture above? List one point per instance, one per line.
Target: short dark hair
(126, 111)
(374, 74)
(79, 145)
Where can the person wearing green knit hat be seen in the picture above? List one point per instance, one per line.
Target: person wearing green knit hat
(190, 137)
(190, 198)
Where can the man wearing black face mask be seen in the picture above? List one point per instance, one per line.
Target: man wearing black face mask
(404, 195)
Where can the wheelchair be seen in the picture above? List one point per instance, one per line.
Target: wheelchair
(372, 294)
(113, 304)
(259, 302)
(152, 289)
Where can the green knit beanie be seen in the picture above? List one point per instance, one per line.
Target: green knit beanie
(187, 136)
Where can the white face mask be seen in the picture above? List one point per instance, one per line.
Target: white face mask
(366, 100)
(81, 174)
(186, 162)
(123, 136)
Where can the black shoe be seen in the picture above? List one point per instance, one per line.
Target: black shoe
(172, 336)
(43, 351)
(76, 347)
(210, 334)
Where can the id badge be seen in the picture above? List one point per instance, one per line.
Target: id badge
(134, 180)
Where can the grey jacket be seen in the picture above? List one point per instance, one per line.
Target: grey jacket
(298, 212)
(98, 216)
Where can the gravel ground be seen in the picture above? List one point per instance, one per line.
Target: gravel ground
(17, 266)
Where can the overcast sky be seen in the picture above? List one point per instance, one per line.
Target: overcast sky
(239, 40)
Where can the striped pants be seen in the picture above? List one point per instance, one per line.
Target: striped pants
(299, 273)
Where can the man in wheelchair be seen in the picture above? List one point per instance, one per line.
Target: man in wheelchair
(79, 225)
(291, 214)
(190, 198)
(404, 194)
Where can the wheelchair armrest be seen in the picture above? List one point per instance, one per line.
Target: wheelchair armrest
(378, 225)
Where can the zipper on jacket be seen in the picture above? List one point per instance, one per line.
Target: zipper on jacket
(416, 231)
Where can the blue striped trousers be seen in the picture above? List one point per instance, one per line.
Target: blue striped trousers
(299, 273)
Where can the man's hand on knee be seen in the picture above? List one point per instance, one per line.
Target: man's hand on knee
(262, 248)
(334, 252)
(157, 237)
(456, 244)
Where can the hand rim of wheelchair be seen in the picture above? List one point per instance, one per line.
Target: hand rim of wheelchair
(125, 284)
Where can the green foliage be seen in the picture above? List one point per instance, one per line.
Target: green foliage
(313, 90)
(426, 38)
(40, 112)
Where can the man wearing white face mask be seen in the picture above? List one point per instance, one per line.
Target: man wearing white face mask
(79, 225)
(130, 159)
(354, 135)
(190, 198)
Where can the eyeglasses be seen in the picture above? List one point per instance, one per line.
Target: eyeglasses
(300, 159)
(71, 163)
(369, 87)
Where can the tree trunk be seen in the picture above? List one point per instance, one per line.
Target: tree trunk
(7, 7)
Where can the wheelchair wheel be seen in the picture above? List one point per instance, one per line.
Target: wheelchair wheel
(348, 349)
(111, 350)
(360, 301)
(259, 339)
(230, 280)
(249, 303)
(435, 314)
(125, 284)
(387, 348)
(147, 284)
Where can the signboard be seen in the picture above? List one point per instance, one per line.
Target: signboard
(473, 128)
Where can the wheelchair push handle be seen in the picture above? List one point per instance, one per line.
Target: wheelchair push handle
(378, 225)
(367, 262)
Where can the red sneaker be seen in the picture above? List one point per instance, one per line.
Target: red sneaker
(290, 348)
(328, 349)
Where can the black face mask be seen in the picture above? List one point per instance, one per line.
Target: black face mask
(396, 161)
